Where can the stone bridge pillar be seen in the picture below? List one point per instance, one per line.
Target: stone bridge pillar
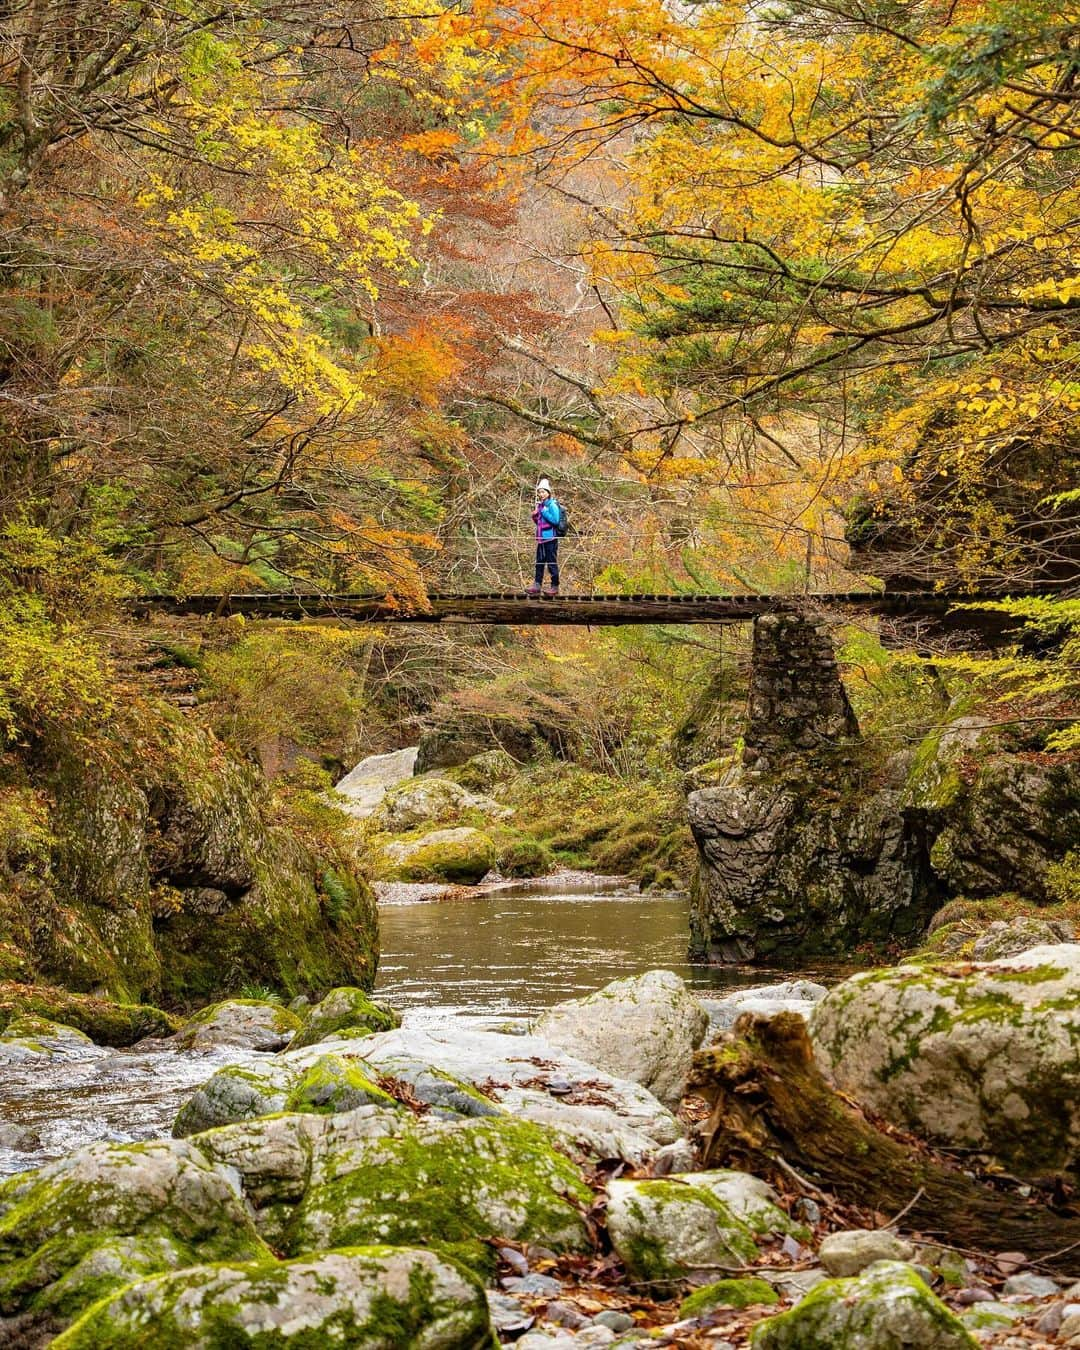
(804, 848)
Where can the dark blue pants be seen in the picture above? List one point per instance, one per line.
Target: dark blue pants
(547, 555)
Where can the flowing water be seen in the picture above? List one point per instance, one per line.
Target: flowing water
(493, 957)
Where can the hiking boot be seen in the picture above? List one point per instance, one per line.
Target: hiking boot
(551, 593)
(532, 590)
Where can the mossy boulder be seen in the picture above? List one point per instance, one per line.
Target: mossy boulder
(975, 1057)
(369, 1298)
(486, 771)
(335, 1084)
(244, 1022)
(344, 1009)
(165, 1193)
(105, 1022)
(451, 1184)
(37, 1037)
(430, 800)
(667, 1228)
(644, 1028)
(886, 1308)
(236, 1092)
(462, 856)
(746, 1293)
(750, 1199)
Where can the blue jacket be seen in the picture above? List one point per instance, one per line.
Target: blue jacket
(546, 517)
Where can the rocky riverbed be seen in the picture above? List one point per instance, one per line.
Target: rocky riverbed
(337, 1177)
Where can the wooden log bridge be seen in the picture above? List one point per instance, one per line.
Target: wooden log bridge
(514, 607)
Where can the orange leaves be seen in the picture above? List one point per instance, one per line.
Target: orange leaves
(420, 363)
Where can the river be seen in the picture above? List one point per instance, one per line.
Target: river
(489, 958)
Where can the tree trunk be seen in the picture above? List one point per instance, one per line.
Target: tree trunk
(770, 1101)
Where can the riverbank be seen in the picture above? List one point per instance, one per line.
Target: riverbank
(577, 1179)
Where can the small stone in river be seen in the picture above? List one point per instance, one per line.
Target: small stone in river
(1049, 1324)
(507, 1314)
(540, 1286)
(614, 1320)
(565, 1315)
(514, 1260)
(1032, 1285)
(975, 1294)
(808, 1210)
(852, 1250)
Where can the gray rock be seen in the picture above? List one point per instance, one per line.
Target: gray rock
(246, 1023)
(677, 1157)
(644, 1029)
(339, 1297)
(1070, 1321)
(364, 787)
(613, 1319)
(236, 1092)
(789, 995)
(448, 1096)
(852, 1250)
(880, 1309)
(984, 1319)
(1031, 1285)
(535, 1285)
(507, 1314)
(1019, 935)
(981, 1058)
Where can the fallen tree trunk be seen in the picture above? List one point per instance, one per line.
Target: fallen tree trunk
(770, 1102)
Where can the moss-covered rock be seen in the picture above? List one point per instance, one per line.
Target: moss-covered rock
(335, 1084)
(431, 800)
(462, 856)
(105, 1022)
(981, 1057)
(452, 1184)
(664, 1229)
(236, 1092)
(374, 1298)
(885, 1308)
(166, 1193)
(181, 875)
(344, 1009)
(246, 1022)
(744, 1293)
(486, 771)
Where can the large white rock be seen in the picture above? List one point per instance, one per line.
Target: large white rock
(365, 786)
(645, 1028)
(352, 1298)
(977, 1057)
(532, 1078)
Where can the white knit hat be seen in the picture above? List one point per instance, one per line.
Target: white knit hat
(543, 485)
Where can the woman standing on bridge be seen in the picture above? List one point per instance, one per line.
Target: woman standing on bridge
(547, 517)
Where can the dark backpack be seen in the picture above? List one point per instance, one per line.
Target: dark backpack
(562, 525)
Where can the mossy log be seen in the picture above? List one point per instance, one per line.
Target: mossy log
(772, 1106)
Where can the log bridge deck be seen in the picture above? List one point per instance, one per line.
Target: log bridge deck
(513, 607)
